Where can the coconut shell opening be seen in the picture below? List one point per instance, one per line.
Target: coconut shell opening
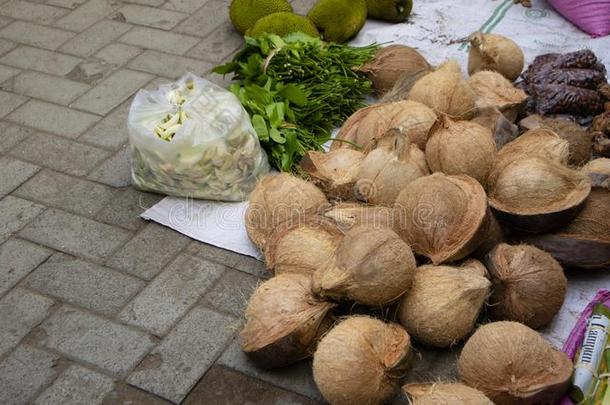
(442, 217)
(335, 172)
(445, 394)
(348, 215)
(494, 91)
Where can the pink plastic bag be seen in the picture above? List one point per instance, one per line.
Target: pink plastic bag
(591, 16)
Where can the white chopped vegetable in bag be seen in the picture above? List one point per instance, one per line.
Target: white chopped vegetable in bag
(193, 138)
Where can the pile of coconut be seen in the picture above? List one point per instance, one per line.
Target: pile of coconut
(436, 203)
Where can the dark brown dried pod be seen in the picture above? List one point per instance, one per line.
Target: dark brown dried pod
(348, 215)
(335, 172)
(529, 284)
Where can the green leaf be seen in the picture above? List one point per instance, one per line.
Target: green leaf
(226, 68)
(294, 94)
(260, 126)
(276, 135)
(275, 113)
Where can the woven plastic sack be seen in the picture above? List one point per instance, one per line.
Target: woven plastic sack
(215, 154)
(591, 16)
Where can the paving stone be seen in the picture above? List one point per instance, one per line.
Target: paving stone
(39, 13)
(150, 3)
(124, 394)
(149, 251)
(76, 386)
(113, 347)
(152, 17)
(20, 311)
(116, 171)
(41, 60)
(15, 213)
(212, 15)
(125, 208)
(186, 6)
(159, 40)
(95, 37)
(91, 71)
(4, 21)
(7, 72)
(85, 284)
(297, 377)
(53, 118)
(46, 87)
(76, 235)
(14, 172)
(231, 293)
(35, 35)
(9, 102)
(71, 4)
(169, 296)
(166, 65)
(86, 14)
(59, 154)
(17, 259)
(118, 54)
(111, 132)
(112, 91)
(221, 385)
(219, 45)
(6, 46)
(24, 372)
(174, 366)
(228, 258)
(11, 135)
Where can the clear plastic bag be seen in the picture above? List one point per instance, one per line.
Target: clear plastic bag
(193, 138)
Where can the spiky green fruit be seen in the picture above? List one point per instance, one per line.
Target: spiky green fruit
(338, 20)
(282, 24)
(245, 13)
(389, 10)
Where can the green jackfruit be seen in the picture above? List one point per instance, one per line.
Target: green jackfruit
(282, 24)
(245, 13)
(338, 20)
(389, 10)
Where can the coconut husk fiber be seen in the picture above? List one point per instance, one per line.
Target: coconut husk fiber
(335, 172)
(440, 393)
(494, 91)
(513, 365)
(361, 361)
(538, 142)
(598, 171)
(284, 321)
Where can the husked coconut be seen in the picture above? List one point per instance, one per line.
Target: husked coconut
(513, 365)
(284, 321)
(348, 215)
(494, 91)
(538, 142)
(335, 172)
(497, 53)
(361, 361)
(440, 393)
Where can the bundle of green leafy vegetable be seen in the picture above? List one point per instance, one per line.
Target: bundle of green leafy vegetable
(296, 89)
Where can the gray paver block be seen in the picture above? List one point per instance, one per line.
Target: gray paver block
(74, 234)
(20, 311)
(118, 54)
(46, 87)
(186, 6)
(9, 102)
(152, 17)
(82, 283)
(149, 251)
(7, 72)
(111, 132)
(14, 172)
(165, 300)
(6, 45)
(86, 14)
(69, 193)
(95, 37)
(39, 13)
(111, 346)
(212, 15)
(17, 259)
(26, 57)
(23, 373)
(16, 213)
(184, 355)
(159, 40)
(125, 208)
(231, 259)
(231, 292)
(124, 394)
(115, 171)
(76, 386)
(35, 35)
(11, 135)
(172, 66)
(71, 4)
(219, 45)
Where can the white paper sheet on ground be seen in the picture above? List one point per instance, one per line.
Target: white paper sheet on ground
(437, 28)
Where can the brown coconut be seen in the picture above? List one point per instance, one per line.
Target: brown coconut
(538, 142)
(444, 394)
(411, 118)
(442, 217)
(494, 91)
(497, 53)
(361, 361)
(502, 129)
(529, 285)
(445, 91)
(584, 242)
(335, 172)
(391, 162)
(372, 266)
(443, 304)
(277, 198)
(302, 246)
(348, 215)
(284, 321)
(391, 63)
(598, 171)
(535, 194)
(513, 365)
(460, 147)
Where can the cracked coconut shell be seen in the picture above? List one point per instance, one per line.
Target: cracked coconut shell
(440, 393)
(512, 364)
(444, 302)
(460, 147)
(335, 172)
(529, 285)
(391, 162)
(502, 129)
(494, 91)
(284, 321)
(361, 361)
(538, 142)
(303, 246)
(442, 217)
(277, 198)
(535, 194)
(372, 266)
(348, 215)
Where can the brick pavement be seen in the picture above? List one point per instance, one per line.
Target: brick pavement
(96, 305)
